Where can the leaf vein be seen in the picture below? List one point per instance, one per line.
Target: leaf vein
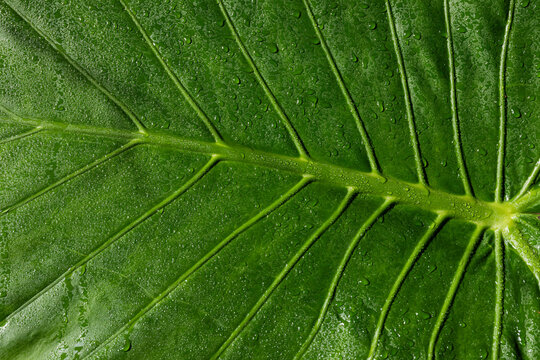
(345, 91)
(499, 294)
(452, 291)
(407, 96)
(398, 283)
(262, 82)
(130, 114)
(285, 271)
(458, 146)
(502, 105)
(242, 228)
(189, 98)
(132, 225)
(529, 182)
(339, 273)
(70, 176)
(21, 135)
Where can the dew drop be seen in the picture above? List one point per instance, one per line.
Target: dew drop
(372, 25)
(424, 315)
(127, 344)
(363, 281)
(273, 48)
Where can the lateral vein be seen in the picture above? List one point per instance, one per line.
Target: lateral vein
(499, 189)
(407, 96)
(285, 271)
(130, 114)
(398, 283)
(201, 262)
(70, 176)
(339, 273)
(185, 93)
(458, 146)
(146, 215)
(345, 91)
(499, 295)
(262, 82)
(452, 291)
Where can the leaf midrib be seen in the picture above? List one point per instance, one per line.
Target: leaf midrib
(464, 207)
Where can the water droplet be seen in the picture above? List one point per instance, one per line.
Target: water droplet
(483, 354)
(525, 3)
(462, 29)
(363, 281)
(515, 112)
(297, 14)
(364, 6)
(127, 344)
(424, 315)
(298, 70)
(273, 48)
(372, 25)
(236, 80)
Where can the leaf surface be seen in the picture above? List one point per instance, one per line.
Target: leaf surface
(271, 179)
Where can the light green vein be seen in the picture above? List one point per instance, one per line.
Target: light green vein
(452, 291)
(21, 135)
(285, 271)
(462, 207)
(458, 147)
(407, 96)
(81, 70)
(346, 93)
(398, 283)
(520, 242)
(279, 109)
(242, 228)
(173, 77)
(339, 273)
(529, 182)
(499, 295)
(499, 189)
(71, 176)
(132, 225)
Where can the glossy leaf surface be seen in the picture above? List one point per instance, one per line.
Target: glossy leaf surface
(276, 179)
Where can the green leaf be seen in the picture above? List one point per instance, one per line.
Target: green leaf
(269, 179)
